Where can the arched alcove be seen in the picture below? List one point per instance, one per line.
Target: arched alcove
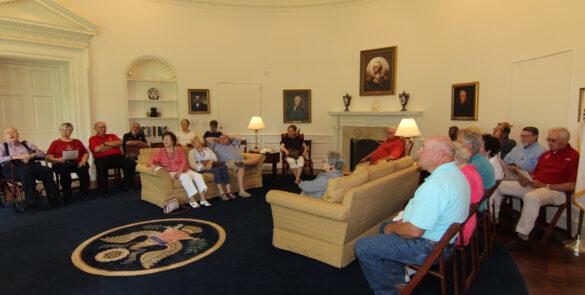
(152, 86)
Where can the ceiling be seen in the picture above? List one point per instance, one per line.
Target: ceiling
(270, 3)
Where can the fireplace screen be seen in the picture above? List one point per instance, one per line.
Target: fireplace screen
(359, 148)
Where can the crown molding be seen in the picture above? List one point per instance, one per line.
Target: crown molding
(79, 36)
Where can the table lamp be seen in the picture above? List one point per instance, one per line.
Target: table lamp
(256, 124)
(407, 129)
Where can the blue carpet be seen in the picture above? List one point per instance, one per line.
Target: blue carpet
(35, 250)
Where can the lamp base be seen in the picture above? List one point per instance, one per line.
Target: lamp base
(577, 246)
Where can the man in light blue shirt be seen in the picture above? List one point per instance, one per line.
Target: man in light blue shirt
(526, 156)
(441, 200)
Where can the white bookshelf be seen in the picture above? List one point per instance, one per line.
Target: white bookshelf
(152, 72)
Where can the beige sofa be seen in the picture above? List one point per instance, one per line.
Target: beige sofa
(353, 206)
(158, 186)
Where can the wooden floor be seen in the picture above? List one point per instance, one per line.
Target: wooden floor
(548, 269)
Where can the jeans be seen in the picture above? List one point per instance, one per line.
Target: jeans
(384, 256)
(220, 174)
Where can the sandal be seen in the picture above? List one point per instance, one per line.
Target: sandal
(224, 197)
(205, 203)
(231, 195)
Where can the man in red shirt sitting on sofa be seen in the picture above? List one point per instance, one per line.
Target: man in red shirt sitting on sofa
(107, 154)
(391, 149)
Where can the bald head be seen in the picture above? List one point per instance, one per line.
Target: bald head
(11, 134)
(100, 128)
(391, 133)
(436, 151)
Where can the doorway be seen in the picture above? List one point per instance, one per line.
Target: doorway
(32, 100)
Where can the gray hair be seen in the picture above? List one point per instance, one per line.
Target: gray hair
(564, 134)
(471, 137)
(335, 160)
(462, 155)
(67, 125)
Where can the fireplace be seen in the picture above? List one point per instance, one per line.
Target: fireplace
(359, 148)
(364, 125)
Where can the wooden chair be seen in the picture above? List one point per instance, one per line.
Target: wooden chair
(549, 227)
(541, 221)
(244, 144)
(467, 279)
(436, 257)
(488, 222)
(308, 159)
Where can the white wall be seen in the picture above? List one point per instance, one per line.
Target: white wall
(439, 43)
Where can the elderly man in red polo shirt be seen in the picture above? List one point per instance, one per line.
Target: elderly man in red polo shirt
(391, 149)
(555, 174)
(107, 154)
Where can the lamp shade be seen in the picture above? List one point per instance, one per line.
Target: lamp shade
(256, 123)
(407, 128)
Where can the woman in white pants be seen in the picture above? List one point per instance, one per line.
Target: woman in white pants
(173, 159)
(294, 148)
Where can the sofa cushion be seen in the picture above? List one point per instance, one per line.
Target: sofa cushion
(337, 187)
(402, 163)
(381, 169)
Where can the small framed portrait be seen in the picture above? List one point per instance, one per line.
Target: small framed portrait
(464, 101)
(199, 102)
(378, 71)
(296, 106)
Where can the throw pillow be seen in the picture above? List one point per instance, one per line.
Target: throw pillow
(337, 187)
(381, 169)
(402, 163)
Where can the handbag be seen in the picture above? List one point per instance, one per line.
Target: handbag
(171, 205)
(294, 153)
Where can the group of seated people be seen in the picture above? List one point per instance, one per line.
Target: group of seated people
(20, 161)
(462, 168)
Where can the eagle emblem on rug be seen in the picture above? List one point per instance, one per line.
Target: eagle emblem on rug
(148, 247)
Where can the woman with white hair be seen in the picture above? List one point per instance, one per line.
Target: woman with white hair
(316, 188)
(68, 156)
(204, 160)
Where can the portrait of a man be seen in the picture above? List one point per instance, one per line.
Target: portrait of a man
(378, 71)
(464, 101)
(198, 101)
(297, 106)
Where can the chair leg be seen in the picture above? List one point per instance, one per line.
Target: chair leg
(552, 224)
(455, 271)
(569, 220)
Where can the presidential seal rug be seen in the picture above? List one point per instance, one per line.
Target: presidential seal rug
(148, 247)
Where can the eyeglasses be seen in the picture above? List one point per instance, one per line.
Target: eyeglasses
(551, 139)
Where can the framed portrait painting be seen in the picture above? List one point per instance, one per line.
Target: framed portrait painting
(464, 101)
(199, 101)
(378, 71)
(296, 106)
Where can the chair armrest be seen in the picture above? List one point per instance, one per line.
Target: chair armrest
(307, 205)
(150, 171)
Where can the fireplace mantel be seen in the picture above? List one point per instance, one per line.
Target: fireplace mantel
(377, 114)
(367, 119)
